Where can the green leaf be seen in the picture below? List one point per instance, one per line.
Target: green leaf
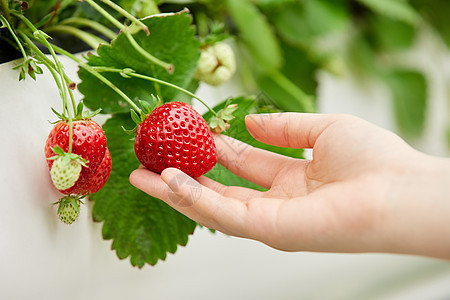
(304, 22)
(300, 69)
(257, 34)
(80, 108)
(396, 9)
(238, 130)
(172, 40)
(141, 227)
(392, 35)
(409, 92)
(361, 57)
(58, 150)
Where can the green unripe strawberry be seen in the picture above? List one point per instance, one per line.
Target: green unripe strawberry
(217, 64)
(65, 169)
(65, 172)
(69, 209)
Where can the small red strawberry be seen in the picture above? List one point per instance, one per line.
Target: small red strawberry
(101, 175)
(175, 135)
(89, 142)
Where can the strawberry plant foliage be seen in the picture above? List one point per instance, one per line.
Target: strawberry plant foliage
(172, 39)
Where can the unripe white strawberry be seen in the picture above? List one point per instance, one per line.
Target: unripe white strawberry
(69, 209)
(66, 168)
(65, 172)
(216, 65)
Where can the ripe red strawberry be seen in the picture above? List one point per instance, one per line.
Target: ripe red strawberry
(100, 177)
(89, 142)
(175, 135)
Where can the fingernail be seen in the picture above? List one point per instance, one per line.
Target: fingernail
(169, 173)
(250, 117)
(184, 190)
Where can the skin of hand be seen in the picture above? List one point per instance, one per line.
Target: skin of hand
(365, 190)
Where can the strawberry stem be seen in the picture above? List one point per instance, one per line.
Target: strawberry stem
(50, 66)
(92, 40)
(148, 56)
(126, 14)
(42, 37)
(125, 30)
(6, 23)
(98, 75)
(92, 24)
(63, 89)
(130, 72)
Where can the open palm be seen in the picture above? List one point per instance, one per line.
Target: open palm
(334, 202)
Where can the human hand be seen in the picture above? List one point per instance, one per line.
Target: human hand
(354, 196)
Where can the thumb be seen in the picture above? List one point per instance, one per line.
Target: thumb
(184, 191)
(293, 130)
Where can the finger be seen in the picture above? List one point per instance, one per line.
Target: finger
(152, 184)
(149, 182)
(241, 193)
(253, 164)
(211, 208)
(293, 130)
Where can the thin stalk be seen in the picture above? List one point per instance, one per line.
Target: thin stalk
(5, 21)
(90, 39)
(26, 21)
(92, 24)
(72, 98)
(60, 70)
(106, 15)
(145, 77)
(126, 14)
(48, 63)
(148, 56)
(134, 44)
(156, 85)
(98, 75)
(63, 90)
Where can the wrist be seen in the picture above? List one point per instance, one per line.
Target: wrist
(419, 208)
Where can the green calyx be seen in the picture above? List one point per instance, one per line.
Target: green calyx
(80, 114)
(28, 66)
(146, 108)
(220, 123)
(69, 208)
(71, 156)
(211, 33)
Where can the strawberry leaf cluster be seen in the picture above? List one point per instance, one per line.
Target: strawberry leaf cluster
(172, 39)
